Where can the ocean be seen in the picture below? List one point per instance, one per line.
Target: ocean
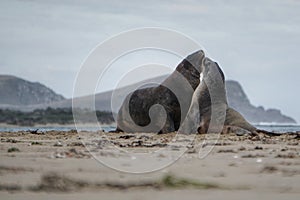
(56, 128)
(280, 128)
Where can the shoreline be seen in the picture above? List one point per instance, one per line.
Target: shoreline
(283, 128)
(5, 125)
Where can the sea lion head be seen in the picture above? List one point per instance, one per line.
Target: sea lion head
(195, 59)
(190, 68)
(211, 67)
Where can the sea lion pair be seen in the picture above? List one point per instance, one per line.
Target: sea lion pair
(193, 98)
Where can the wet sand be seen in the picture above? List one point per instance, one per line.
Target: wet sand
(54, 164)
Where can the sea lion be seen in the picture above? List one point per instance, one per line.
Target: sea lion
(210, 97)
(139, 111)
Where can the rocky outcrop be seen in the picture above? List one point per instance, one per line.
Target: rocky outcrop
(238, 100)
(18, 92)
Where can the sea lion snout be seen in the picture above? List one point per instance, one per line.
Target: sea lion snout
(196, 59)
(212, 67)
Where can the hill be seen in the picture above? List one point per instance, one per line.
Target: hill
(37, 96)
(15, 91)
(238, 100)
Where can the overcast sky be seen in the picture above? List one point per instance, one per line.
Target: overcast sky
(255, 42)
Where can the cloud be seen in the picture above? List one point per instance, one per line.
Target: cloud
(255, 42)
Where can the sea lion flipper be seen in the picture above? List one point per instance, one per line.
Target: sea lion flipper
(234, 118)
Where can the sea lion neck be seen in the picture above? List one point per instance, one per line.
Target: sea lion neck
(189, 72)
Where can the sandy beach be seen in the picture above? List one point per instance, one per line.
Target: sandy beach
(44, 165)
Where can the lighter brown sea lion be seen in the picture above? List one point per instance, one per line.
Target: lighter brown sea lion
(210, 97)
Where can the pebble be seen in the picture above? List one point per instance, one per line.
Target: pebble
(58, 155)
(58, 144)
(258, 148)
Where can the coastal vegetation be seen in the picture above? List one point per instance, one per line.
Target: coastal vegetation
(51, 116)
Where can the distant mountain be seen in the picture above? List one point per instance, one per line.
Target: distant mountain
(18, 92)
(237, 99)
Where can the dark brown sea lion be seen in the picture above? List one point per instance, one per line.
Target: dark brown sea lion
(174, 95)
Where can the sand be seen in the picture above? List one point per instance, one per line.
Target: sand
(44, 165)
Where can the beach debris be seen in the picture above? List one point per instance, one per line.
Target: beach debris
(133, 158)
(36, 143)
(10, 140)
(58, 155)
(287, 163)
(77, 144)
(226, 151)
(258, 148)
(288, 155)
(232, 164)
(102, 143)
(269, 169)
(58, 144)
(176, 147)
(151, 145)
(170, 181)
(13, 169)
(284, 149)
(191, 150)
(71, 153)
(241, 148)
(268, 133)
(220, 143)
(13, 149)
(136, 143)
(36, 131)
(128, 136)
(252, 155)
(293, 143)
(10, 188)
(283, 171)
(53, 182)
(74, 153)
(145, 137)
(297, 137)
(220, 174)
